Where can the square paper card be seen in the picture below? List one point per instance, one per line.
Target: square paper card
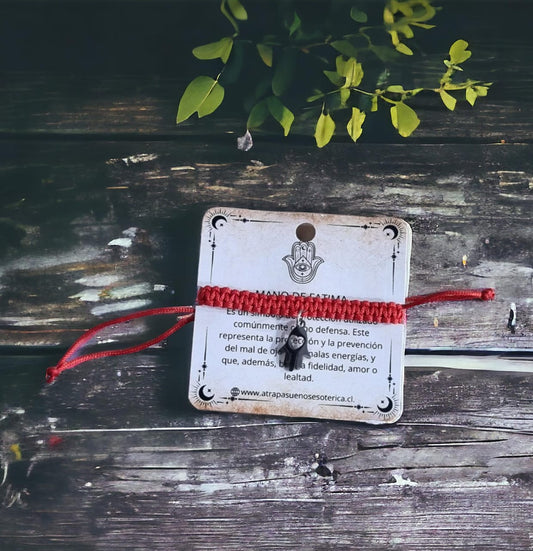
(350, 370)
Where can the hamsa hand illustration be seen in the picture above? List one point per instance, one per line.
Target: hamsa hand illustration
(303, 262)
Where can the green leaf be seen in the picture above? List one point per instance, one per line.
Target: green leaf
(350, 69)
(404, 119)
(214, 50)
(458, 52)
(344, 94)
(475, 91)
(394, 116)
(340, 63)
(257, 115)
(455, 86)
(404, 49)
(388, 16)
(394, 37)
(422, 11)
(384, 53)
(364, 103)
(202, 95)
(318, 94)
(413, 11)
(335, 78)
(405, 30)
(448, 100)
(396, 89)
(358, 15)
(414, 92)
(423, 25)
(295, 25)
(325, 127)
(355, 124)
(237, 9)
(345, 47)
(471, 95)
(266, 54)
(228, 16)
(212, 101)
(353, 71)
(283, 73)
(383, 77)
(281, 113)
(333, 101)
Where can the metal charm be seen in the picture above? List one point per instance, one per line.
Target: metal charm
(296, 346)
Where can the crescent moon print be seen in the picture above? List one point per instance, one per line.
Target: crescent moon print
(203, 395)
(393, 230)
(217, 219)
(388, 407)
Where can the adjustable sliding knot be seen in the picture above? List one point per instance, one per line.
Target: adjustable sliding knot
(488, 294)
(52, 373)
(289, 306)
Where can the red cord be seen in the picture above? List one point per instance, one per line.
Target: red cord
(66, 363)
(289, 306)
(448, 296)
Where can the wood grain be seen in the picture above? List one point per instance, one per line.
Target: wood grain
(63, 273)
(137, 107)
(455, 471)
(102, 197)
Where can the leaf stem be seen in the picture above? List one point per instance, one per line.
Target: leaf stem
(364, 92)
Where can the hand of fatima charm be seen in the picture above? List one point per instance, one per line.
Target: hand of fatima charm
(296, 347)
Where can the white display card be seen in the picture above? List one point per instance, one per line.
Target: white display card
(354, 370)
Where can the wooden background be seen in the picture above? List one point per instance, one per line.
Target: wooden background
(102, 197)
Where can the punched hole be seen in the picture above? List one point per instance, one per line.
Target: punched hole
(305, 232)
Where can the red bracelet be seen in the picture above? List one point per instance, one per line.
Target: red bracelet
(289, 306)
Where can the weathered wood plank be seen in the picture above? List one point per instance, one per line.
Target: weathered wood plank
(145, 107)
(112, 455)
(129, 79)
(457, 467)
(67, 203)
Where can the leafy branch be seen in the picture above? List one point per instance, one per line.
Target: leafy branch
(341, 82)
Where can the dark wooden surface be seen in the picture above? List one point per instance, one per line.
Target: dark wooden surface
(68, 201)
(136, 466)
(102, 198)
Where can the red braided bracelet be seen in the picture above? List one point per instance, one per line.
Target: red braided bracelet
(289, 306)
